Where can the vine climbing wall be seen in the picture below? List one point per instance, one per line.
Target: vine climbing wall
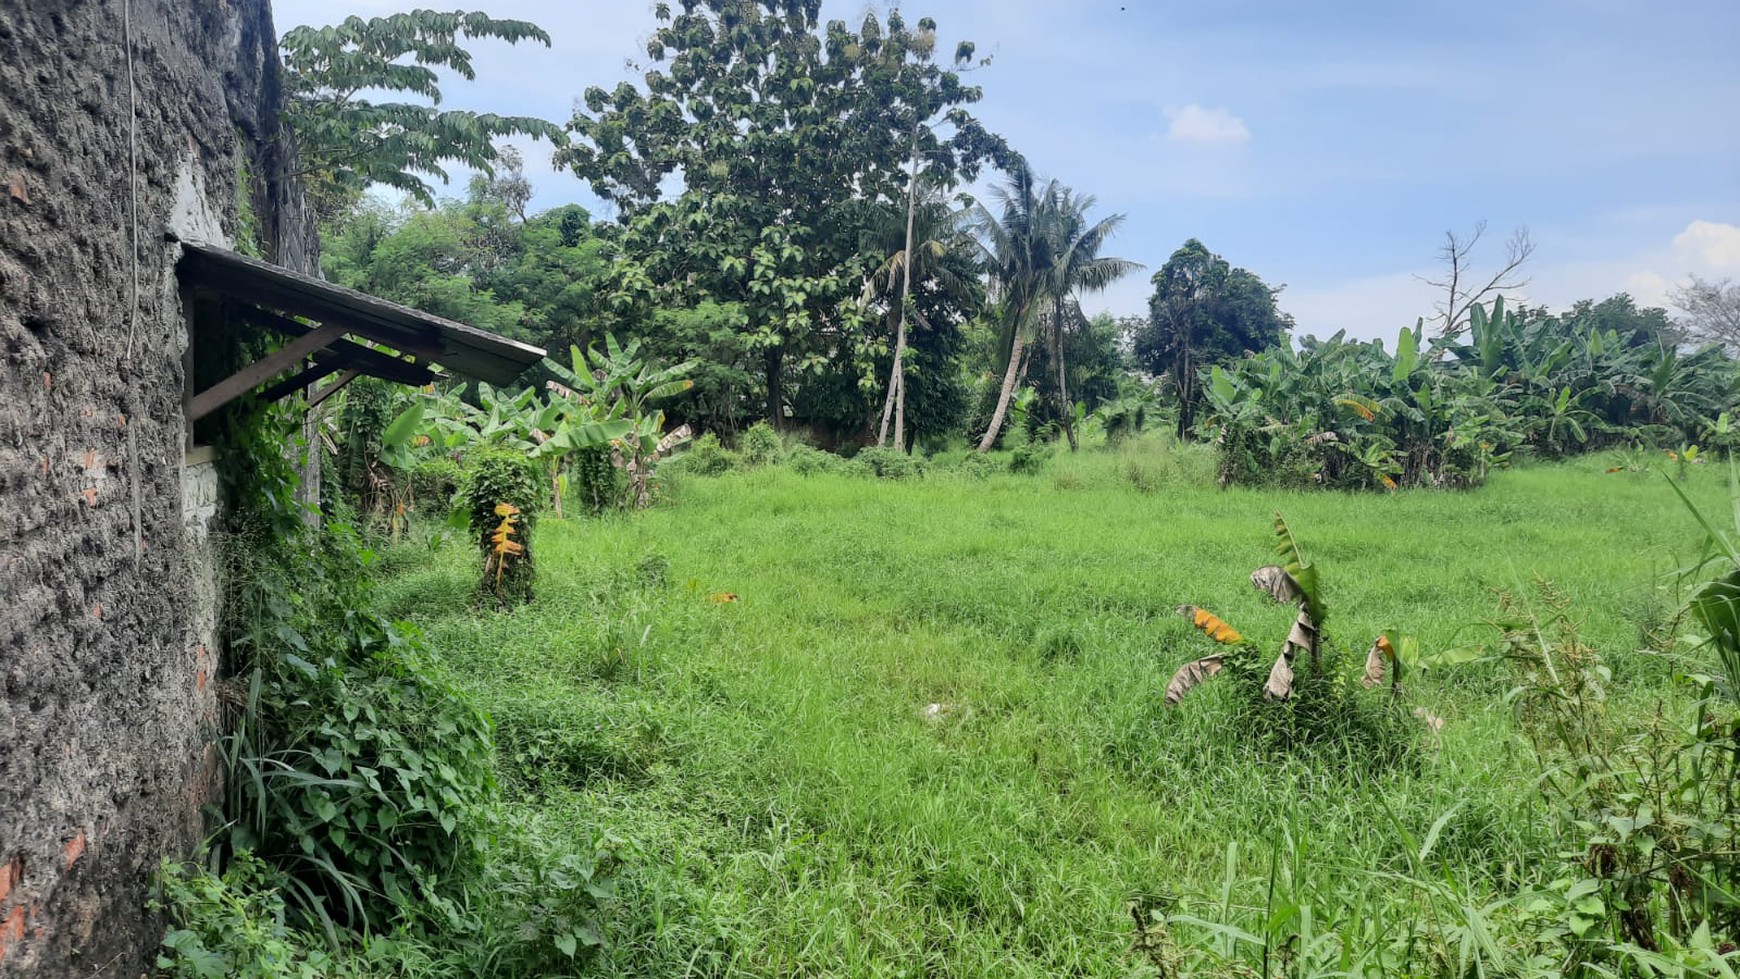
(119, 121)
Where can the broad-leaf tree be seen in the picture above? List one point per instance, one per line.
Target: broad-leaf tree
(1205, 312)
(784, 137)
(347, 140)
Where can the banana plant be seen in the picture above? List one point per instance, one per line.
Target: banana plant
(1292, 582)
(618, 388)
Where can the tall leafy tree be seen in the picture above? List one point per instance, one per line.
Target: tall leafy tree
(1015, 251)
(1205, 312)
(785, 138)
(348, 141)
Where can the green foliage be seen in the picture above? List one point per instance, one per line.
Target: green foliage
(1029, 458)
(1204, 313)
(760, 445)
(706, 456)
(887, 463)
(787, 136)
(1647, 815)
(348, 142)
(1042, 253)
(435, 482)
(494, 476)
(382, 784)
(234, 927)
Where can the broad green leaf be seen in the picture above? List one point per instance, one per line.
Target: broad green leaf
(404, 427)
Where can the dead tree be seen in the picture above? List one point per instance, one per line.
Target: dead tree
(1459, 281)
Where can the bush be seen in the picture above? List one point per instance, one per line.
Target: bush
(598, 483)
(1029, 459)
(805, 461)
(759, 445)
(977, 466)
(383, 782)
(493, 478)
(890, 463)
(705, 456)
(434, 483)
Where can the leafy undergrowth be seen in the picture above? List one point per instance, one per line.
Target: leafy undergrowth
(929, 737)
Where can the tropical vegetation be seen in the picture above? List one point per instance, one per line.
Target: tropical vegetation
(842, 597)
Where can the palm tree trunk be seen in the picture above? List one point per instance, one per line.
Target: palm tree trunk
(1062, 376)
(1003, 396)
(888, 407)
(898, 384)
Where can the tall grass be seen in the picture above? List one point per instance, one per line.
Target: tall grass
(929, 739)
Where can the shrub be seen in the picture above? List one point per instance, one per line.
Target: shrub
(890, 463)
(1029, 459)
(977, 466)
(384, 781)
(804, 461)
(759, 445)
(599, 484)
(435, 481)
(706, 457)
(498, 481)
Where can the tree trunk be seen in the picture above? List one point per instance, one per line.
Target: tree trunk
(775, 363)
(1184, 381)
(1062, 377)
(556, 485)
(1003, 396)
(888, 407)
(897, 382)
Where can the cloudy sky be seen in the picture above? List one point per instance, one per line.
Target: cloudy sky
(1324, 145)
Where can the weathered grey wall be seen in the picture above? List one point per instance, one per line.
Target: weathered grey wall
(106, 692)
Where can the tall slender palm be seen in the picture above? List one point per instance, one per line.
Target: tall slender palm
(1042, 253)
(1076, 267)
(933, 231)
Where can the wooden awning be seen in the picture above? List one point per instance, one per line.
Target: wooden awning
(315, 316)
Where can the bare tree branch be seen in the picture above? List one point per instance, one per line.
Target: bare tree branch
(1712, 309)
(1459, 296)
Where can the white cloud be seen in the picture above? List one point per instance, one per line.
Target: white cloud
(1709, 246)
(1209, 127)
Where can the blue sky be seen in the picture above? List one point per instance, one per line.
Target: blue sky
(1325, 145)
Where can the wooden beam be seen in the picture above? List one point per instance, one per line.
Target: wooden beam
(332, 389)
(308, 375)
(260, 371)
(376, 363)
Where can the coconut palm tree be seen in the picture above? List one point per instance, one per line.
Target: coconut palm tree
(1076, 267)
(1042, 254)
(932, 230)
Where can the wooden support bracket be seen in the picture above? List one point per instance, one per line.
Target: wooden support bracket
(260, 371)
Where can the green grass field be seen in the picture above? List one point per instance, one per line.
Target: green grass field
(785, 799)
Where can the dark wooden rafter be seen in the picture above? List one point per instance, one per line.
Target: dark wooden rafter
(460, 348)
(376, 363)
(331, 389)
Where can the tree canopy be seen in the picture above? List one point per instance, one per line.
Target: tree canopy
(787, 138)
(1203, 312)
(348, 141)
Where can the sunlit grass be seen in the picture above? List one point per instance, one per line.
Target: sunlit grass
(784, 803)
